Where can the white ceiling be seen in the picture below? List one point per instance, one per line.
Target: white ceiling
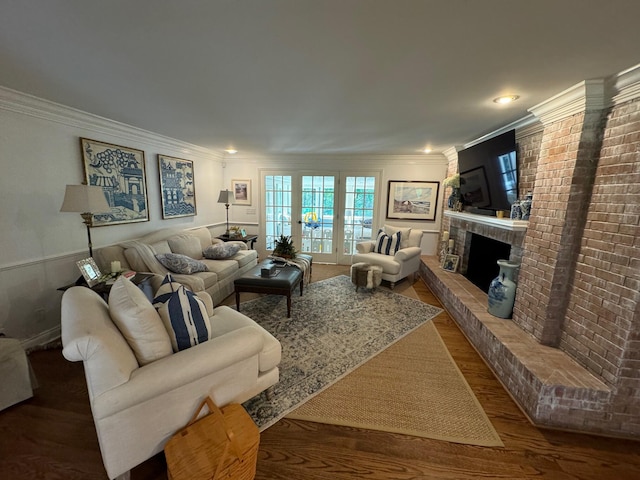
(312, 76)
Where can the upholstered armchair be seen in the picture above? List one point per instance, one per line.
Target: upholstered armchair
(396, 250)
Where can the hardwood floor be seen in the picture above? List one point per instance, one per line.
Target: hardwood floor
(52, 436)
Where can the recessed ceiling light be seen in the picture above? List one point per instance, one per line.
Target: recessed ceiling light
(426, 150)
(231, 151)
(506, 99)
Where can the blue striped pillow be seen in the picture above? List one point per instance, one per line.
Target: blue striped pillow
(387, 244)
(184, 315)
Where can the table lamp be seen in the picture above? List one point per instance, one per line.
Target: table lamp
(86, 200)
(226, 197)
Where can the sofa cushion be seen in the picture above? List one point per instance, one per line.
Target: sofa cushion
(184, 315)
(222, 268)
(204, 235)
(245, 257)
(179, 263)
(404, 234)
(388, 244)
(138, 321)
(220, 251)
(186, 245)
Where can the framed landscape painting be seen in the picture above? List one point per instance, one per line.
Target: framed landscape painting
(242, 191)
(177, 187)
(120, 171)
(412, 200)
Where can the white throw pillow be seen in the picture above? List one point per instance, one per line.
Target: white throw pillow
(188, 245)
(404, 234)
(138, 321)
(183, 314)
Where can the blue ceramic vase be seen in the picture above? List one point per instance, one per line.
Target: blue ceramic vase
(502, 290)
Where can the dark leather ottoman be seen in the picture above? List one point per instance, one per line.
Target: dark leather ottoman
(281, 284)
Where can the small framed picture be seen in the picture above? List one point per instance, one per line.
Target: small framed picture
(243, 232)
(90, 271)
(242, 192)
(450, 263)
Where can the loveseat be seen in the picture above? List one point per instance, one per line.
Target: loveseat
(140, 255)
(140, 391)
(397, 261)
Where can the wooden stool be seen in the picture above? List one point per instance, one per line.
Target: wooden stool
(366, 275)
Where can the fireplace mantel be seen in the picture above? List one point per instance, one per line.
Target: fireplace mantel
(502, 223)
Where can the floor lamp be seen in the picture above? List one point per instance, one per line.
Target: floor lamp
(226, 197)
(86, 200)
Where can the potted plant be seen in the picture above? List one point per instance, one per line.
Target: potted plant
(284, 247)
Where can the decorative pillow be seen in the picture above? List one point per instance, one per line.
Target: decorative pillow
(184, 315)
(404, 233)
(138, 321)
(220, 251)
(188, 245)
(387, 244)
(179, 263)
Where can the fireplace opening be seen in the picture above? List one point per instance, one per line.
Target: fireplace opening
(484, 252)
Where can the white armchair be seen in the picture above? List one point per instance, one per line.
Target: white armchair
(405, 262)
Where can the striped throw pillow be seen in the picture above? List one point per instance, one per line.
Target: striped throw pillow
(387, 244)
(184, 315)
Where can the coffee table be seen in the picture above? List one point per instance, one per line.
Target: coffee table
(282, 283)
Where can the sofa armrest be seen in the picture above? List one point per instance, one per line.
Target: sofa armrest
(405, 254)
(243, 246)
(365, 247)
(179, 369)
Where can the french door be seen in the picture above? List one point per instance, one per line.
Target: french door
(325, 213)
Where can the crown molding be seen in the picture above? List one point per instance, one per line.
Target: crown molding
(588, 95)
(627, 85)
(25, 104)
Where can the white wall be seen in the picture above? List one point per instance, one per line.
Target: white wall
(40, 154)
(392, 167)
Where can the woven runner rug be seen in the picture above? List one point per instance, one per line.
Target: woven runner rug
(332, 331)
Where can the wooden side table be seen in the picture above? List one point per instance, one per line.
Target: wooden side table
(103, 288)
(247, 239)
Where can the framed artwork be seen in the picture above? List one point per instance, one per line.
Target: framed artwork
(412, 200)
(90, 271)
(242, 191)
(120, 171)
(177, 187)
(450, 263)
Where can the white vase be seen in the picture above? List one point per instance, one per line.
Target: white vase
(502, 290)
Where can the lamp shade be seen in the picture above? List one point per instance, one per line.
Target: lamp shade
(84, 199)
(226, 197)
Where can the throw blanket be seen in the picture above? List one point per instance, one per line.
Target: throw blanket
(148, 256)
(301, 263)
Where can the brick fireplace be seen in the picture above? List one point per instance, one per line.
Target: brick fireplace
(570, 356)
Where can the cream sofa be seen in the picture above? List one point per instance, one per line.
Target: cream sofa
(405, 262)
(137, 408)
(138, 255)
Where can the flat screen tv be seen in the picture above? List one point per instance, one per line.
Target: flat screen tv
(489, 174)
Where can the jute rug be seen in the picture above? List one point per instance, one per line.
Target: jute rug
(332, 330)
(413, 387)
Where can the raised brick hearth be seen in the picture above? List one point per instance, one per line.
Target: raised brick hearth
(551, 388)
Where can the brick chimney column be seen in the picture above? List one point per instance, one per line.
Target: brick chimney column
(573, 127)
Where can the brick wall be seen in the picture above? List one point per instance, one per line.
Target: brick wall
(602, 322)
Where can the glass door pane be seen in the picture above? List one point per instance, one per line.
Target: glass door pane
(277, 208)
(359, 208)
(317, 213)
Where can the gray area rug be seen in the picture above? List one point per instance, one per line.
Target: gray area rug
(332, 330)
